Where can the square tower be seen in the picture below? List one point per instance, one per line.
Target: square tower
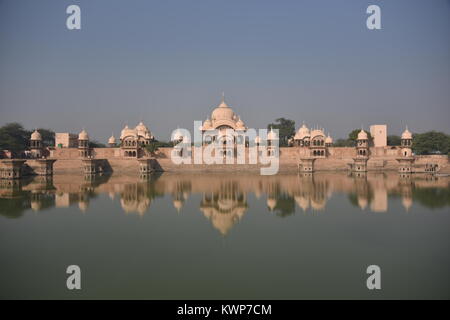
(379, 135)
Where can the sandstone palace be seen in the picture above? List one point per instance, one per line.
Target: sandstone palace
(309, 150)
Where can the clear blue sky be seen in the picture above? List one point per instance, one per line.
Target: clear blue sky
(167, 62)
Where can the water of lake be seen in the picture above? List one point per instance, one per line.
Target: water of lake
(225, 236)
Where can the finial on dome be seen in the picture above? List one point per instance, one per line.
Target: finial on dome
(223, 96)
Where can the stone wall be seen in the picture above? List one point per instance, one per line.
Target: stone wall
(381, 159)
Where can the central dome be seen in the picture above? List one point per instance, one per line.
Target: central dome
(223, 112)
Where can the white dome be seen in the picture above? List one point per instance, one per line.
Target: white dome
(142, 130)
(112, 140)
(362, 135)
(83, 135)
(126, 131)
(406, 134)
(329, 139)
(223, 112)
(302, 133)
(36, 135)
(240, 124)
(207, 124)
(177, 136)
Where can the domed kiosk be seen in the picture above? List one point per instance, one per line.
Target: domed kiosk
(223, 126)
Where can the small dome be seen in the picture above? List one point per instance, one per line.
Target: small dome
(83, 135)
(362, 135)
(240, 123)
(302, 133)
(272, 135)
(142, 131)
(112, 140)
(36, 135)
(126, 131)
(406, 134)
(329, 139)
(177, 136)
(207, 124)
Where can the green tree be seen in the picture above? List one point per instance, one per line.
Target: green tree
(286, 129)
(14, 137)
(153, 146)
(48, 137)
(343, 143)
(393, 140)
(431, 142)
(96, 144)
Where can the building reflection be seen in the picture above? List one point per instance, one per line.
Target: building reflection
(224, 207)
(180, 193)
(224, 199)
(136, 197)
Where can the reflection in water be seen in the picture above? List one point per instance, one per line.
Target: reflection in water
(225, 206)
(224, 197)
(183, 236)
